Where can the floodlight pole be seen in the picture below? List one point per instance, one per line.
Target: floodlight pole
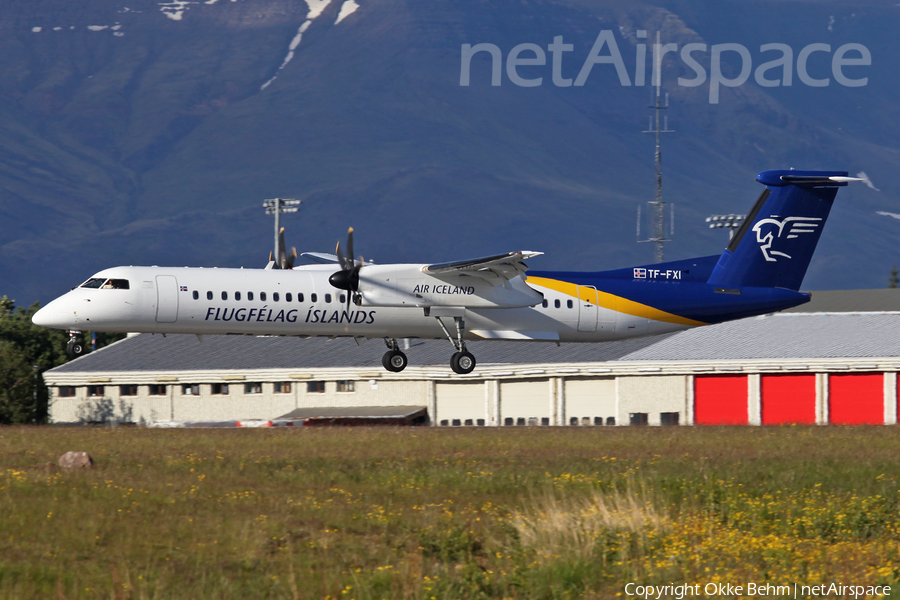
(276, 206)
(731, 222)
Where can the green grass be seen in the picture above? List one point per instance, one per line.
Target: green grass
(443, 513)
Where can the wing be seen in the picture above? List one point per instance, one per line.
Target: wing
(501, 266)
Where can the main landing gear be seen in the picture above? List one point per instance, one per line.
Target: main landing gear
(462, 361)
(75, 345)
(393, 360)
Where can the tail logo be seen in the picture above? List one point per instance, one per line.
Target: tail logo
(796, 227)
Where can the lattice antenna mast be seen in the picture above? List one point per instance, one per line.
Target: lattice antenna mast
(659, 207)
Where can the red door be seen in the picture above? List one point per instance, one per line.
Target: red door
(788, 399)
(856, 399)
(720, 400)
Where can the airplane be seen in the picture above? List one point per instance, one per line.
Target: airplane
(489, 298)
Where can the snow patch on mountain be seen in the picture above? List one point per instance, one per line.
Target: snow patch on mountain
(347, 8)
(175, 9)
(315, 9)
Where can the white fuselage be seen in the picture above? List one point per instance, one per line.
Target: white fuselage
(302, 302)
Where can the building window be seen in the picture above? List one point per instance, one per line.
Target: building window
(545, 421)
(668, 418)
(444, 422)
(237, 296)
(220, 389)
(610, 421)
(345, 385)
(128, 390)
(155, 389)
(637, 418)
(282, 387)
(468, 422)
(573, 420)
(65, 391)
(262, 296)
(275, 296)
(456, 423)
(598, 420)
(196, 295)
(479, 422)
(253, 388)
(556, 303)
(95, 390)
(520, 422)
(209, 295)
(508, 421)
(288, 297)
(315, 387)
(585, 420)
(190, 389)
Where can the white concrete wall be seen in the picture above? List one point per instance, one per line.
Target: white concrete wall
(652, 394)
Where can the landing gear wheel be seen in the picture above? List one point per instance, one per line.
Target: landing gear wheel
(74, 348)
(394, 361)
(462, 362)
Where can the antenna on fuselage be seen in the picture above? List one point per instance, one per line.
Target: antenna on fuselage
(659, 207)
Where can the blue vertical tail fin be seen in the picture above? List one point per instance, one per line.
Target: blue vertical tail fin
(776, 241)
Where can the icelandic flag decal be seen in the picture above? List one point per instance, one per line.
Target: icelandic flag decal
(640, 273)
(184, 288)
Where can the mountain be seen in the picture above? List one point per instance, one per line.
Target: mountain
(139, 132)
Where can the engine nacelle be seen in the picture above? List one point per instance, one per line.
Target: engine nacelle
(409, 285)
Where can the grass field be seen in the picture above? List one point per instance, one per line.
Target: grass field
(370, 513)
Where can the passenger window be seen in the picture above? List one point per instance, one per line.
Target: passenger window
(314, 297)
(209, 295)
(343, 298)
(300, 297)
(556, 304)
(545, 303)
(196, 295)
(224, 295)
(237, 296)
(249, 295)
(288, 297)
(569, 304)
(327, 298)
(275, 296)
(262, 296)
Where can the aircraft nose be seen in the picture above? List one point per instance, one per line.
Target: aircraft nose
(52, 316)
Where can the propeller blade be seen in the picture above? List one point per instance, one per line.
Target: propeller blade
(350, 246)
(340, 257)
(291, 259)
(282, 251)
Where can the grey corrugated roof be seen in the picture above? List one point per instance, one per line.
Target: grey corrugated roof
(780, 336)
(356, 412)
(884, 300)
(148, 352)
(783, 336)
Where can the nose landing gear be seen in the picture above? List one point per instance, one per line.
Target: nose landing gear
(75, 345)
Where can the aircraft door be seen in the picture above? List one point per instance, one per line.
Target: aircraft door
(166, 299)
(587, 308)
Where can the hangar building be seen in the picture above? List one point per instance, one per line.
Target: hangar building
(835, 360)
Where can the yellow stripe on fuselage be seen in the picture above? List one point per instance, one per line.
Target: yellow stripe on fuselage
(613, 302)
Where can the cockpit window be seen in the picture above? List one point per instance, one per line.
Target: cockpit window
(106, 284)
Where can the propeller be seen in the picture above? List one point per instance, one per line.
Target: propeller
(348, 277)
(284, 260)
